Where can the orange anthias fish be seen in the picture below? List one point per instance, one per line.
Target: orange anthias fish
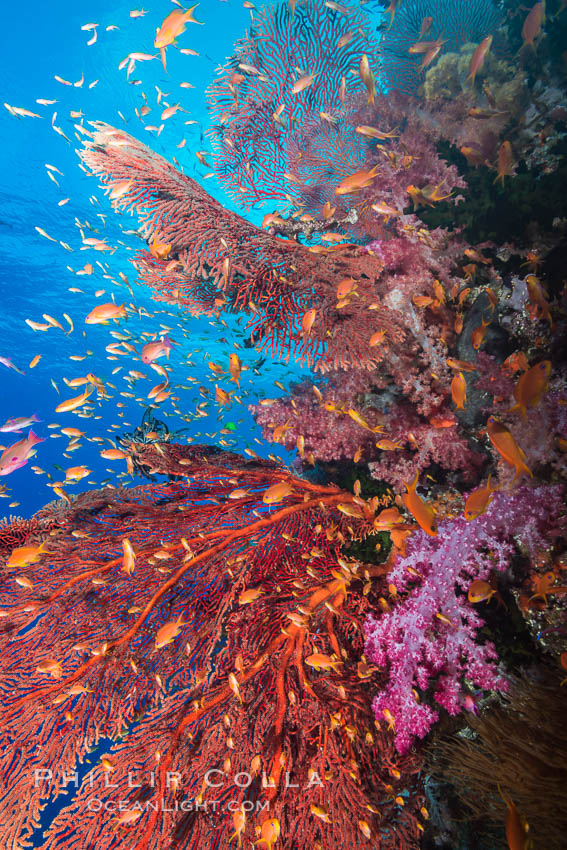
(516, 828)
(533, 24)
(102, 314)
(168, 632)
(159, 250)
(234, 367)
(173, 26)
(478, 334)
(307, 321)
(269, 834)
(420, 510)
(18, 454)
(426, 197)
(478, 57)
(74, 403)
(358, 180)
(459, 390)
(506, 446)
(531, 387)
(152, 350)
(277, 492)
(478, 501)
(539, 306)
(24, 555)
(480, 591)
(303, 83)
(505, 162)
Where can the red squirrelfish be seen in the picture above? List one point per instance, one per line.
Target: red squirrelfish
(152, 350)
(18, 454)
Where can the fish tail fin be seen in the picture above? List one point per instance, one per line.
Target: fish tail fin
(521, 407)
(412, 486)
(33, 438)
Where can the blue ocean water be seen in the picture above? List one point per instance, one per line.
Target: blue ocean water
(39, 42)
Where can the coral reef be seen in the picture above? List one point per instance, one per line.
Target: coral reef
(262, 94)
(432, 631)
(195, 634)
(453, 23)
(513, 751)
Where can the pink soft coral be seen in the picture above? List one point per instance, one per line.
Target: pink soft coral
(431, 634)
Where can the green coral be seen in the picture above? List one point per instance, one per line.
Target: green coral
(448, 79)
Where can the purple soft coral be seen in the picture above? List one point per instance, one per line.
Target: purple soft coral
(432, 633)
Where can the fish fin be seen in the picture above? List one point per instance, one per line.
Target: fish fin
(521, 407)
(413, 486)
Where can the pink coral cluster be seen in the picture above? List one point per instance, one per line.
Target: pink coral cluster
(430, 637)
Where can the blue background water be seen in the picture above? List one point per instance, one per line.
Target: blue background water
(38, 41)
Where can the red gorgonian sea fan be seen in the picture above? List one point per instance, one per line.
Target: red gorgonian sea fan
(202, 641)
(252, 103)
(215, 259)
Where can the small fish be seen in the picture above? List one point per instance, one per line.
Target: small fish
(358, 180)
(22, 556)
(321, 812)
(420, 510)
(505, 163)
(128, 559)
(174, 25)
(15, 426)
(303, 83)
(368, 79)
(533, 24)
(249, 596)
(307, 321)
(159, 250)
(104, 312)
(18, 454)
(459, 391)
(461, 365)
(506, 446)
(168, 632)
(516, 826)
(322, 662)
(74, 403)
(152, 350)
(478, 501)
(377, 338)
(76, 473)
(277, 492)
(5, 361)
(269, 834)
(531, 387)
(478, 334)
(478, 57)
(480, 591)
(235, 368)
(539, 307)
